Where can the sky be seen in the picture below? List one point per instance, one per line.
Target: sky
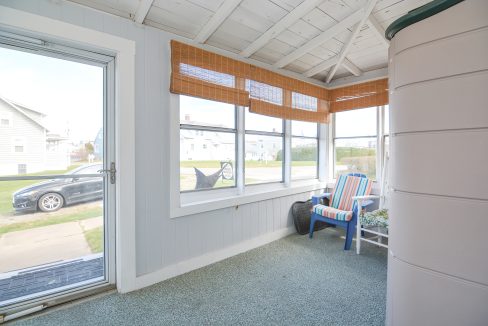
(70, 94)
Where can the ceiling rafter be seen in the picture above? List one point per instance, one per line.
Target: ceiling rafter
(378, 30)
(142, 10)
(321, 66)
(321, 38)
(352, 68)
(224, 11)
(285, 22)
(345, 49)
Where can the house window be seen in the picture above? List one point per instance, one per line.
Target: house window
(264, 150)
(355, 141)
(211, 126)
(22, 168)
(304, 150)
(18, 145)
(5, 122)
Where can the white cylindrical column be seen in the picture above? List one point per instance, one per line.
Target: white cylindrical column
(438, 255)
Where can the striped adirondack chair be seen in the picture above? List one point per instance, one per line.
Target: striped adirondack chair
(342, 210)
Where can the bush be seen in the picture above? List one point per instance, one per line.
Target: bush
(300, 154)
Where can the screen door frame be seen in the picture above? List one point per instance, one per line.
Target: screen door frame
(19, 41)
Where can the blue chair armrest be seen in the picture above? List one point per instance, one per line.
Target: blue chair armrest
(316, 198)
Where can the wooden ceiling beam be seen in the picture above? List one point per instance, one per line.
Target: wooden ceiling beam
(224, 11)
(352, 68)
(285, 22)
(142, 10)
(345, 49)
(321, 38)
(378, 30)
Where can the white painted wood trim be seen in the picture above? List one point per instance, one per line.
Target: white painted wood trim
(321, 66)
(322, 38)
(251, 194)
(352, 68)
(353, 80)
(345, 50)
(378, 30)
(280, 26)
(124, 51)
(209, 258)
(217, 19)
(142, 10)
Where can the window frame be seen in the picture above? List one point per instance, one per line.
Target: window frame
(194, 202)
(380, 144)
(265, 133)
(195, 127)
(317, 158)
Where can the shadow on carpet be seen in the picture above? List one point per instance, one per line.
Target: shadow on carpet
(292, 281)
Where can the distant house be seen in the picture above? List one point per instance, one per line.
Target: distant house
(25, 144)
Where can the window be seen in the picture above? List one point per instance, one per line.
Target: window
(21, 168)
(354, 142)
(304, 150)
(207, 144)
(4, 122)
(18, 145)
(227, 146)
(263, 149)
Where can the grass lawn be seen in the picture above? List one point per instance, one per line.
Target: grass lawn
(7, 188)
(94, 238)
(249, 164)
(89, 213)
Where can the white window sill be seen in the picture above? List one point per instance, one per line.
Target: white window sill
(194, 203)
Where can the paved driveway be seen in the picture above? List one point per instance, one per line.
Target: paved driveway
(47, 244)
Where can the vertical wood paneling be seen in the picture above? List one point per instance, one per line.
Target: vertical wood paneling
(162, 241)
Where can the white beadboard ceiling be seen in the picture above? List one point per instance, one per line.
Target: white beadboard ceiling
(306, 37)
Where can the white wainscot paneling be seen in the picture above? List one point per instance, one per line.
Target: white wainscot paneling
(435, 299)
(451, 163)
(422, 232)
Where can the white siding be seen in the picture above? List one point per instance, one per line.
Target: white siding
(25, 132)
(162, 241)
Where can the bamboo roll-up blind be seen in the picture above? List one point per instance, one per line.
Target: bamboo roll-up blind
(368, 94)
(200, 73)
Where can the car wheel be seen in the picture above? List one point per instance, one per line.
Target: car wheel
(50, 202)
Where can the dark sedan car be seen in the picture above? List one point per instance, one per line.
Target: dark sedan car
(49, 196)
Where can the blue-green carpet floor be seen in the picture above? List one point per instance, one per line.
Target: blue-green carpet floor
(292, 281)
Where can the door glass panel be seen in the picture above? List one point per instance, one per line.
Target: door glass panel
(52, 216)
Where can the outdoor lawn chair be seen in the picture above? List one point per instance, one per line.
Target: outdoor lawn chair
(343, 210)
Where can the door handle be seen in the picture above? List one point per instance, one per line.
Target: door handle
(112, 172)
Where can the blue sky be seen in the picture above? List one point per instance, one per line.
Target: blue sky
(69, 93)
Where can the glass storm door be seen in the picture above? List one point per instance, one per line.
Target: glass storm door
(56, 172)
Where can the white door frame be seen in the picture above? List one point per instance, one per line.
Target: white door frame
(124, 53)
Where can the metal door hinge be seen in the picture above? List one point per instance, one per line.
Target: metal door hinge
(112, 172)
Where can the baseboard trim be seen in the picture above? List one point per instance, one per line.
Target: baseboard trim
(209, 258)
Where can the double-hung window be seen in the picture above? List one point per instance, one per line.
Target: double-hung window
(207, 144)
(355, 142)
(304, 150)
(263, 149)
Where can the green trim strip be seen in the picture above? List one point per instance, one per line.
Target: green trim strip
(419, 14)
